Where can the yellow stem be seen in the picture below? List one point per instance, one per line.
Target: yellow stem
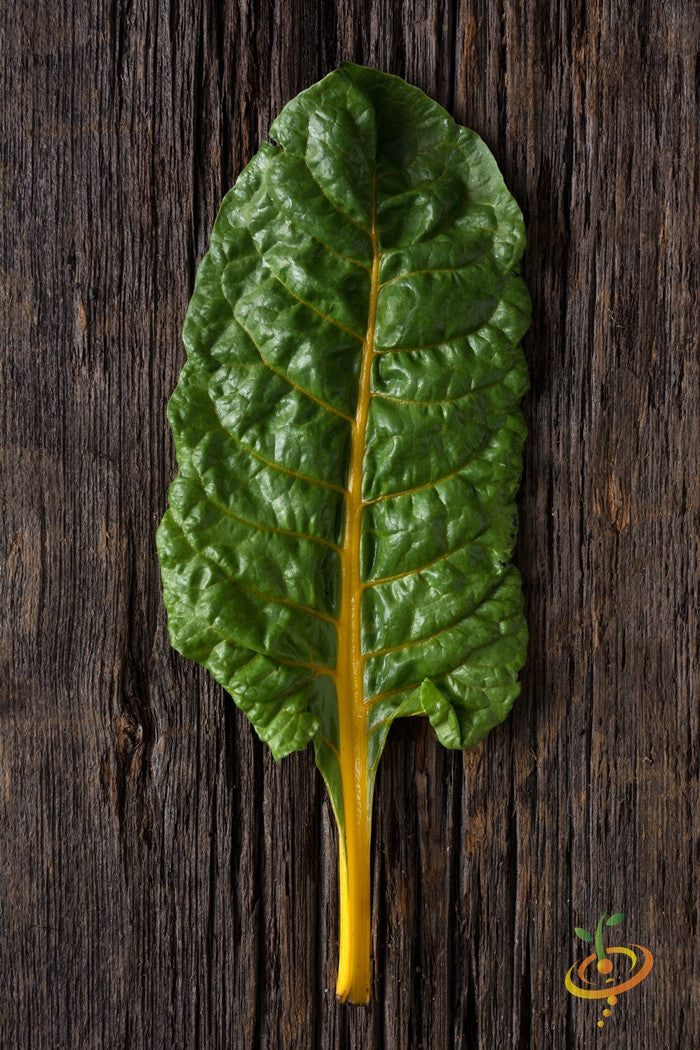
(355, 837)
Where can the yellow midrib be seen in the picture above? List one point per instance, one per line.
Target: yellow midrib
(355, 836)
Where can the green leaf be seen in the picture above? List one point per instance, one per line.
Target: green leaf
(583, 934)
(337, 549)
(616, 919)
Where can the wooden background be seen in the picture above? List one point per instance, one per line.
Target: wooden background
(164, 884)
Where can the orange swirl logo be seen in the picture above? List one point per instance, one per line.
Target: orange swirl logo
(607, 972)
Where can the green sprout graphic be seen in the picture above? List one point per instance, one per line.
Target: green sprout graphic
(604, 964)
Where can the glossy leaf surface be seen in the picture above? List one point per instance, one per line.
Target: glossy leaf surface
(337, 547)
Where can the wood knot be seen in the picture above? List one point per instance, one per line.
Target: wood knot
(617, 505)
(129, 734)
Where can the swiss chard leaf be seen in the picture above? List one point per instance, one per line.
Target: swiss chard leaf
(348, 434)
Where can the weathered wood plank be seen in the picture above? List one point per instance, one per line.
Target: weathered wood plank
(164, 883)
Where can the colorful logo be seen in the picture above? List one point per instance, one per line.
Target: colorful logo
(607, 972)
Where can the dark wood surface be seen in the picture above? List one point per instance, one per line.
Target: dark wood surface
(164, 884)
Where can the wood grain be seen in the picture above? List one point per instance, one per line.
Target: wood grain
(166, 885)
